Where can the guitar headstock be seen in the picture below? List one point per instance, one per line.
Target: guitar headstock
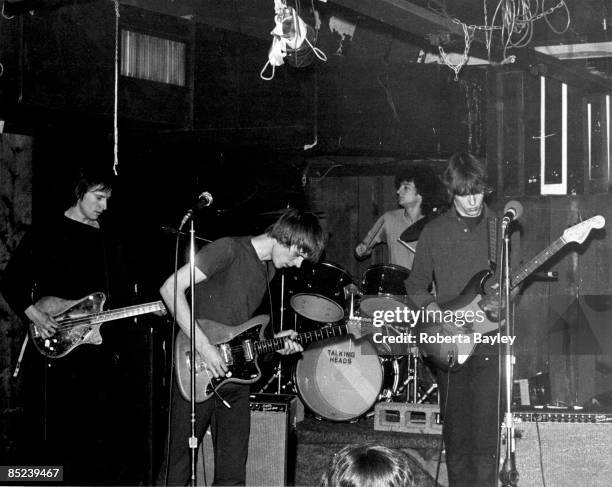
(579, 232)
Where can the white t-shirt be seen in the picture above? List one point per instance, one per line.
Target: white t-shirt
(388, 229)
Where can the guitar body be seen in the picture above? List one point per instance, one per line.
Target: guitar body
(232, 342)
(79, 321)
(451, 356)
(63, 310)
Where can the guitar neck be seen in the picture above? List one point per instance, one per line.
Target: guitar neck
(537, 261)
(127, 312)
(275, 344)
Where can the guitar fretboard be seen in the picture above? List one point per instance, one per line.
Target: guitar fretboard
(127, 312)
(537, 261)
(275, 344)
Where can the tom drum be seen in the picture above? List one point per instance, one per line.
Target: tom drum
(319, 292)
(383, 288)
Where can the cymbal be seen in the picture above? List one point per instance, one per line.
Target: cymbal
(413, 232)
(278, 213)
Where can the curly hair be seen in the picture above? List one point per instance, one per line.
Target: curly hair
(425, 183)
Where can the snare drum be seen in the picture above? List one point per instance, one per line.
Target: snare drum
(341, 379)
(383, 288)
(319, 292)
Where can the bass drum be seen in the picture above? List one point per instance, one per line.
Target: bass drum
(341, 379)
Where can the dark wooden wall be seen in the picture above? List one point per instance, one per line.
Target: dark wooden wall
(557, 331)
(15, 217)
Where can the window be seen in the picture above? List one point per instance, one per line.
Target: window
(152, 58)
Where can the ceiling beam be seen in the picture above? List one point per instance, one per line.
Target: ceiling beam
(421, 22)
(403, 15)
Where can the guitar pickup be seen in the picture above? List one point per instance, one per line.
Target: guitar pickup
(199, 364)
(247, 348)
(226, 353)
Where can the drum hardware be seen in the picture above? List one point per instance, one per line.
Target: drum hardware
(284, 385)
(415, 394)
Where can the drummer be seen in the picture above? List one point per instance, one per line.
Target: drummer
(416, 195)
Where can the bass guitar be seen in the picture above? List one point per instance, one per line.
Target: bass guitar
(447, 345)
(79, 321)
(240, 347)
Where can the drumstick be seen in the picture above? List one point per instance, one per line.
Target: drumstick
(413, 250)
(375, 234)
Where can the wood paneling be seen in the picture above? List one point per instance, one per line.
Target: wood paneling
(15, 217)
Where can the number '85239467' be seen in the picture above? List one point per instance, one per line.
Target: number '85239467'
(31, 473)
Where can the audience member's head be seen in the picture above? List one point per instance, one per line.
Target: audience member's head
(368, 465)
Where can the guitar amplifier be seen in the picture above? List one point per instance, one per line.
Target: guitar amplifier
(562, 448)
(271, 444)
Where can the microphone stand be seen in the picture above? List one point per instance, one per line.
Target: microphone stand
(193, 440)
(282, 317)
(508, 475)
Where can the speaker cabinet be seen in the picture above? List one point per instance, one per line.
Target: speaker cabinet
(564, 454)
(271, 448)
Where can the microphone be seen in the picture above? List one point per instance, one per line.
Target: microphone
(512, 211)
(204, 200)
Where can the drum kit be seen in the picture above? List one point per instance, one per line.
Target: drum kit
(342, 379)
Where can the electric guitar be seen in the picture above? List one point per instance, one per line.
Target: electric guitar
(79, 321)
(475, 295)
(240, 347)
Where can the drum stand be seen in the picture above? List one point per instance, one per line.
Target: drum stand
(412, 392)
(278, 369)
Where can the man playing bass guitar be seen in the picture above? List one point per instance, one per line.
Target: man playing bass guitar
(452, 248)
(74, 412)
(231, 277)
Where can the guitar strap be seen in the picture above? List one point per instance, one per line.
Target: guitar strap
(492, 234)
